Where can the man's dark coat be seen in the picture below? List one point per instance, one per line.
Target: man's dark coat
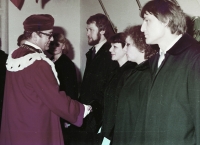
(93, 85)
(173, 108)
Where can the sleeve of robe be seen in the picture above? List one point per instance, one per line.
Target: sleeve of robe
(194, 96)
(47, 89)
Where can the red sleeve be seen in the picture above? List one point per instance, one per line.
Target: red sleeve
(59, 103)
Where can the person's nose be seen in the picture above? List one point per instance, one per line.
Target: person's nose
(111, 49)
(143, 27)
(88, 33)
(51, 39)
(125, 48)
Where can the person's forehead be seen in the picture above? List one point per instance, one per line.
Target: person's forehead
(92, 25)
(147, 14)
(116, 44)
(128, 38)
(151, 17)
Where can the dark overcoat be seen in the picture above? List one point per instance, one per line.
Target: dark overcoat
(68, 82)
(96, 73)
(132, 95)
(93, 85)
(67, 76)
(173, 108)
(111, 98)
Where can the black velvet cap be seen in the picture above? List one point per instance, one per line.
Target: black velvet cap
(38, 22)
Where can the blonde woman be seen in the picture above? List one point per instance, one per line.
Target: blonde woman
(66, 73)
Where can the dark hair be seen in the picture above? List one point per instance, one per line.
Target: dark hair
(27, 34)
(167, 10)
(139, 40)
(102, 23)
(20, 38)
(59, 37)
(117, 38)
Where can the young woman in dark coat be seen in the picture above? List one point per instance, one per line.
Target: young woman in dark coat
(135, 88)
(118, 54)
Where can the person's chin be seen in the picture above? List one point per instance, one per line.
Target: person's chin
(129, 59)
(90, 43)
(148, 41)
(113, 58)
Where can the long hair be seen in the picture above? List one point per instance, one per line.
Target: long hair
(167, 10)
(59, 37)
(139, 40)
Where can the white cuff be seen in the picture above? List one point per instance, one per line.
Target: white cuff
(87, 110)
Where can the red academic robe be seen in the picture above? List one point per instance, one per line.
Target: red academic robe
(33, 106)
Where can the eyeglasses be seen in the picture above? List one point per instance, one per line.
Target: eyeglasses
(49, 35)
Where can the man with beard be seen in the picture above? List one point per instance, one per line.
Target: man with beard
(98, 67)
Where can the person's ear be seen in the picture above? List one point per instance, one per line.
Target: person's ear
(63, 46)
(34, 37)
(102, 32)
(166, 22)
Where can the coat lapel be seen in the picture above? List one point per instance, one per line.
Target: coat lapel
(101, 50)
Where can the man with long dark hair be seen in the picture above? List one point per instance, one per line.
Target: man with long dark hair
(173, 108)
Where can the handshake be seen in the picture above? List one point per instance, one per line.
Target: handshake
(95, 107)
(97, 112)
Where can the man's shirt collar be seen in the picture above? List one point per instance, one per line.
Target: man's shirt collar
(171, 44)
(33, 45)
(99, 45)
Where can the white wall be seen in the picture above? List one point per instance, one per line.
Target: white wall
(65, 12)
(122, 13)
(73, 14)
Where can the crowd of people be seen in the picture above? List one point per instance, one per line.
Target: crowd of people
(140, 86)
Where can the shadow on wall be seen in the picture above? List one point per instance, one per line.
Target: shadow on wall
(70, 54)
(190, 25)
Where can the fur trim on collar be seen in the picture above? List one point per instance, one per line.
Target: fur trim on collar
(14, 65)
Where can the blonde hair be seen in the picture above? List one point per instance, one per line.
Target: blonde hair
(59, 37)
